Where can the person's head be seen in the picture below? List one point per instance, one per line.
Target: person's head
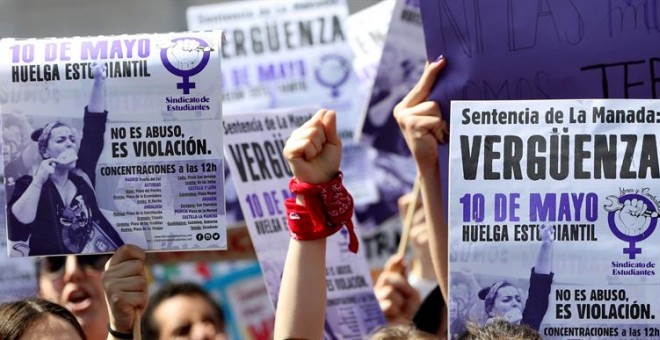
(182, 311)
(75, 283)
(501, 298)
(54, 139)
(37, 319)
(400, 332)
(499, 329)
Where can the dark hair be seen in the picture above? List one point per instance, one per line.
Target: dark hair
(400, 332)
(499, 329)
(18, 316)
(149, 328)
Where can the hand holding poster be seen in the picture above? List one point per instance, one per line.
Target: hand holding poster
(124, 147)
(551, 207)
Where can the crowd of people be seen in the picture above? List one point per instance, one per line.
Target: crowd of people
(106, 297)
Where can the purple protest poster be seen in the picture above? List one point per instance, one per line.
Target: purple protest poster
(507, 50)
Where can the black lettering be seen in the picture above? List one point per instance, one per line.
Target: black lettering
(626, 164)
(470, 156)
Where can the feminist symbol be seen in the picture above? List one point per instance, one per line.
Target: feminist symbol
(333, 72)
(632, 221)
(185, 57)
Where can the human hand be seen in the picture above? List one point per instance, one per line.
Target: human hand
(314, 149)
(98, 70)
(631, 216)
(45, 169)
(125, 285)
(420, 120)
(397, 298)
(547, 233)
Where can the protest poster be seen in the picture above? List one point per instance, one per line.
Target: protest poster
(253, 148)
(504, 50)
(552, 214)
(390, 163)
(237, 286)
(123, 143)
(282, 53)
(238, 240)
(366, 33)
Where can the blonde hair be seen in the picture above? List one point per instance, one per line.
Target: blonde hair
(400, 332)
(499, 329)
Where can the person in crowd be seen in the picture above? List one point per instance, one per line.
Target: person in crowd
(314, 154)
(421, 275)
(499, 329)
(400, 291)
(55, 209)
(183, 311)
(397, 298)
(74, 282)
(423, 128)
(38, 319)
(175, 311)
(321, 207)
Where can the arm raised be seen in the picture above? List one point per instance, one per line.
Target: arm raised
(423, 129)
(314, 154)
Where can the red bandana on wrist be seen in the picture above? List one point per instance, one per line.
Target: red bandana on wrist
(328, 207)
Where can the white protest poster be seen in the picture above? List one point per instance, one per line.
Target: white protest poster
(113, 140)
(282, 53)
(366, 33)
(553, 209)
(389, 162)
(253, 146)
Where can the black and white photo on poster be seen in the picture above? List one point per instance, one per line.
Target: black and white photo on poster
(112, 140)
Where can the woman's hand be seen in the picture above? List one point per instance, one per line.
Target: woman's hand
(98, 70)
(397, 298)
(46, 168)
(97, 96)
(420, 120)
(547, 233)
(125, 284)
(314, 149)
